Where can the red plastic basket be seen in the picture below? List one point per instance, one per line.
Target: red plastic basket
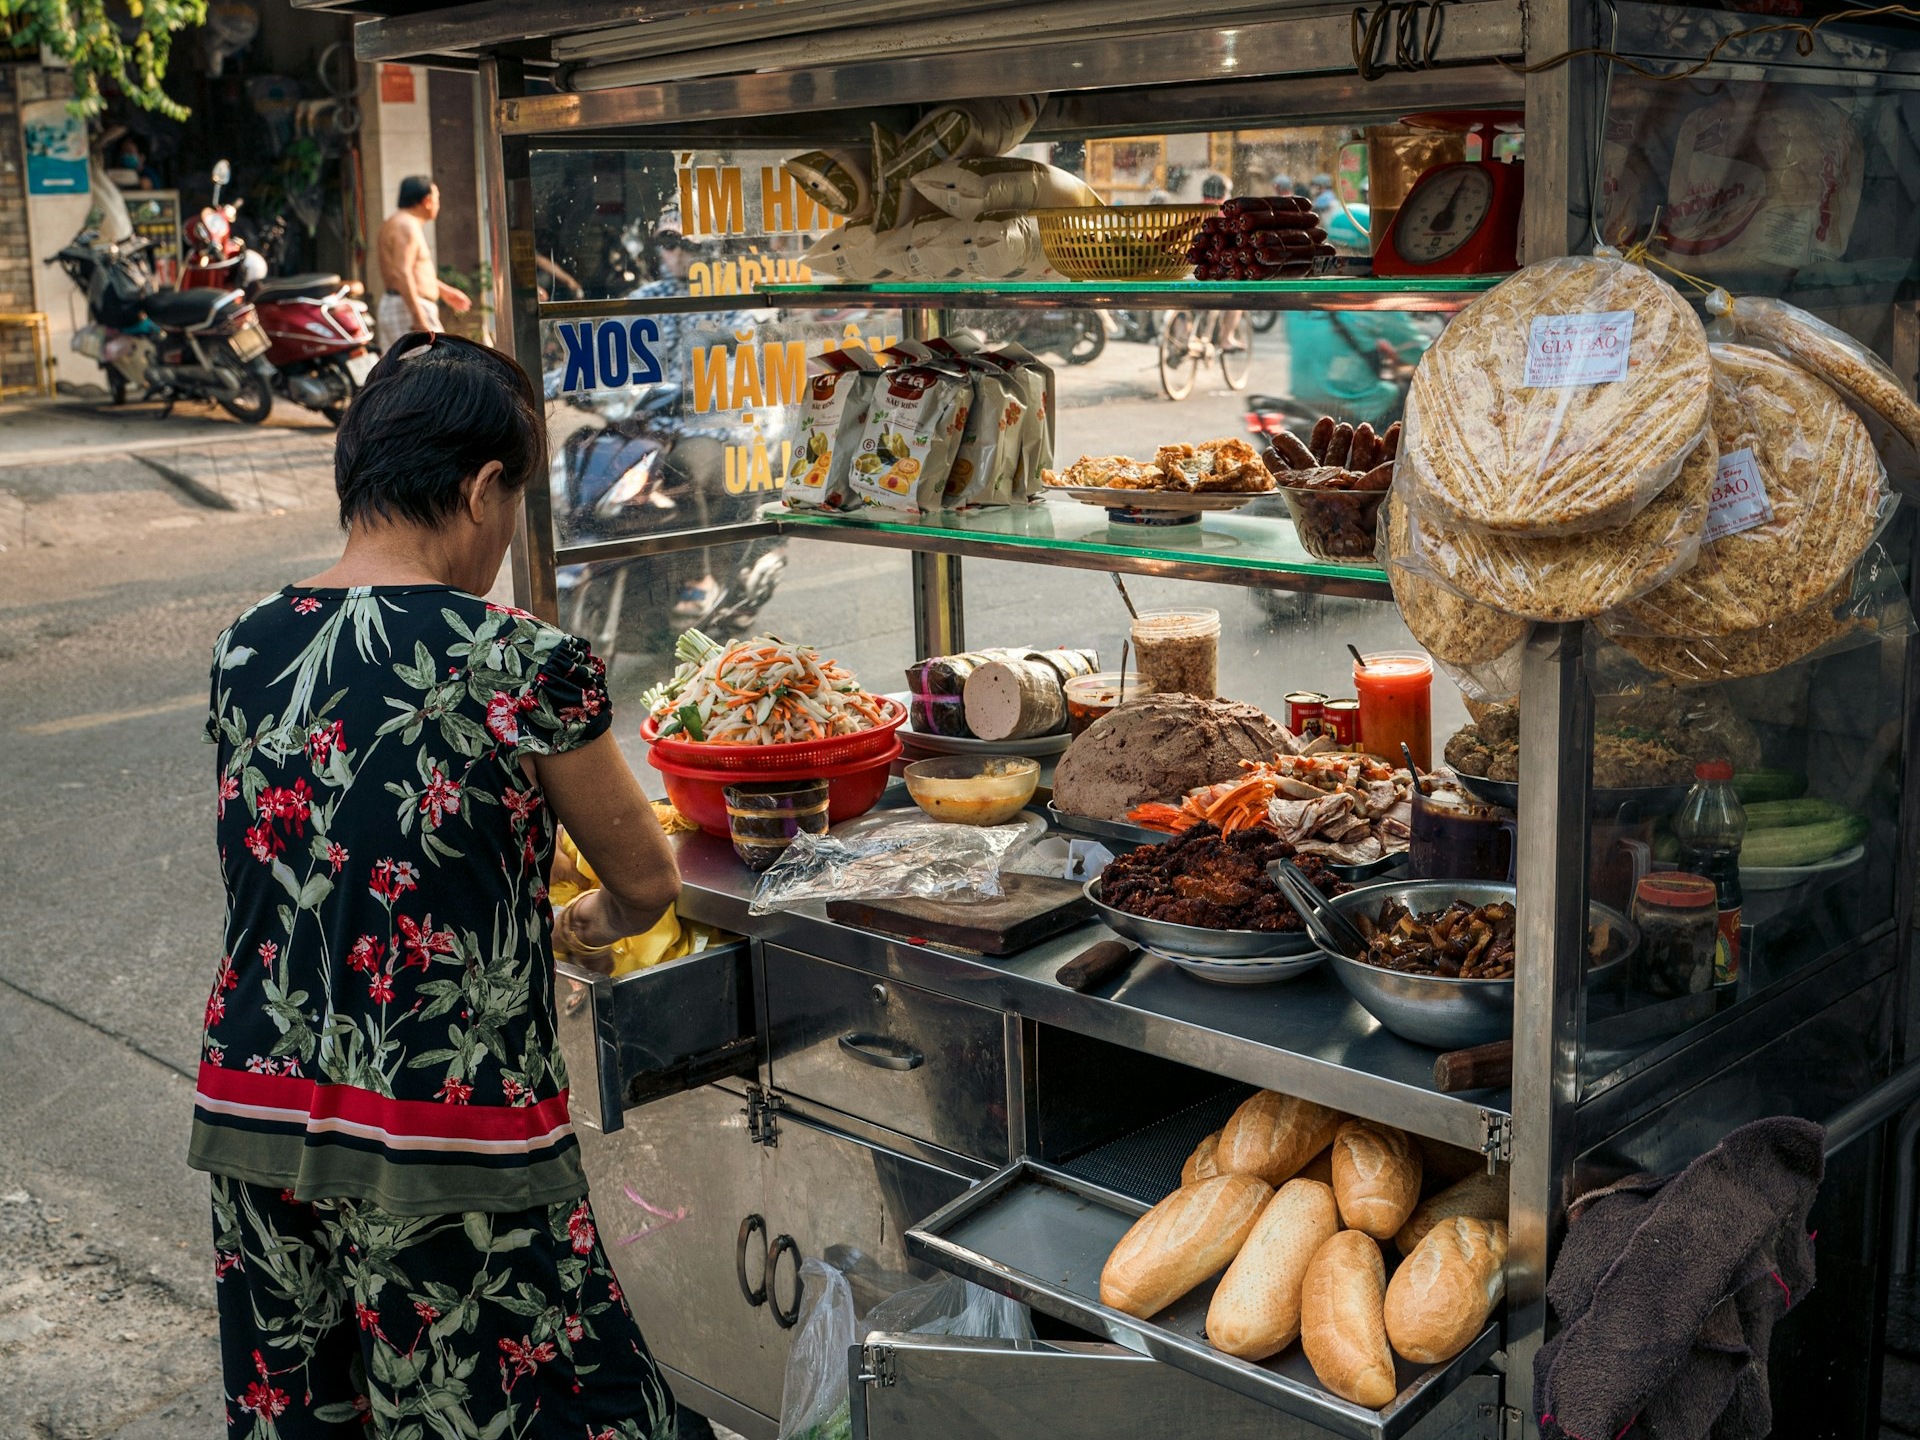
(799, 756)
(699, 794)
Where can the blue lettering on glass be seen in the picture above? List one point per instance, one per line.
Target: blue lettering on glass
(579, 342)
(643, 335)
(610, 345)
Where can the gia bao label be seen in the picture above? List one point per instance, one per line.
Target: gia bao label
(1565, 350)
(1739, 501)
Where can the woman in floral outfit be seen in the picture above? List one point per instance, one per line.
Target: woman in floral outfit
(404, 1245)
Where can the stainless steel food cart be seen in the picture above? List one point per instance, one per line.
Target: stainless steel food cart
(817, 1090)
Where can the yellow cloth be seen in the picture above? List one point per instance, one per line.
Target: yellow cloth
(669, 939)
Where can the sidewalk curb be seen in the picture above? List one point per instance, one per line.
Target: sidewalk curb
(192, 488)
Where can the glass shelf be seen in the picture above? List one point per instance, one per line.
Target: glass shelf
(1325, 292)
(1232, 547)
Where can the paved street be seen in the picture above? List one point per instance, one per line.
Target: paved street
(126, 542)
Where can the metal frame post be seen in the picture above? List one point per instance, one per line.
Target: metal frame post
(939, 605)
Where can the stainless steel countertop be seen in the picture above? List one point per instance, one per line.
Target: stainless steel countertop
(1305, 1037)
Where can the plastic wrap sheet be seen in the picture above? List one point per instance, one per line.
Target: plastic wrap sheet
(813, 1397)
(1862, 377)
(1570, 577)
(1798, 471)
(1869, 605)
(922, 859)
(1560, 402)
(1491, 682)
(1455, 631)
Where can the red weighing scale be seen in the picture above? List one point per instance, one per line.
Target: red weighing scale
(1461, 218)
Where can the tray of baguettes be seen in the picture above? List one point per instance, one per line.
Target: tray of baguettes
(1325, 1265)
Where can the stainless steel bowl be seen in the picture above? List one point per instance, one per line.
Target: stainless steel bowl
(1198, 940)
(1434, 1010)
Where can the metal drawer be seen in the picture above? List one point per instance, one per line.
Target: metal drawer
(655, 1032)
(905, 1058)
(1042, 1236)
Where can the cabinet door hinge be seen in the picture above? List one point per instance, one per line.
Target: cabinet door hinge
(763, 1116)
(1500, 1422)
(876, 1366)
(1497, 1138)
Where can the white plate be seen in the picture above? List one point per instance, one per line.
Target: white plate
(1785, 877)
(920, 744)
(1240, 972)
(1179, 502)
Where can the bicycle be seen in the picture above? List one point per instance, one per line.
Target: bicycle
(1186, 342)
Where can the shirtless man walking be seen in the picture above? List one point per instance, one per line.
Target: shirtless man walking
(414, 291)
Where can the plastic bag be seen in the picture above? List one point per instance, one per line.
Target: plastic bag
(1800, 496)
(813, 1397)
(1862, 377)
(840, 390)
(1870, 605)
(1570, 577)
(1491, 682)
(914, 428)
(1454, 630)
(838, 179)
(924, 859)
(966, 189)
(951, 1306)
(1560, 402)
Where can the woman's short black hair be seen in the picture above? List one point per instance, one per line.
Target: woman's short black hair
(433, 412)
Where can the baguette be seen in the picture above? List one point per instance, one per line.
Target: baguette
(1479, 1197)
(1200, 1165)
(1188, 1236)
(1272, 1135)
(1320, 1168)
(1443, 1292)
(1341, 1326)
(1442, 1164)
(1376, 1177)
(1256, 1311)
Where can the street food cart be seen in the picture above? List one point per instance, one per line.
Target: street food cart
(819, 1090)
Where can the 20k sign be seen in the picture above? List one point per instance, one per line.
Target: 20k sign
(609, 353)
(1565, 350)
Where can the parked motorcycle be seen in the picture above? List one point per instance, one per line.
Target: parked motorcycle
(166, 345)
(320, 335)
(640, 474)
(1076, 336)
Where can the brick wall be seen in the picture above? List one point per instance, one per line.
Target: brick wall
(16, 260)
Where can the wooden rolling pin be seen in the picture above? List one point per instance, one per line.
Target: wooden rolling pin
(1484, 1067)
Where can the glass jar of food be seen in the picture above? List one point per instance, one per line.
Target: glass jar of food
(1179, 650)
(1678, 916)
(1091, 696)
(1396, 706)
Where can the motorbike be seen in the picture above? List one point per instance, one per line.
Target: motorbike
(1076, 336)
(170, 345)
(1142, 327)
(641, 474)
(319, 333)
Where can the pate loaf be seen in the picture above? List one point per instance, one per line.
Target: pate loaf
(1492, 450)
(1188, 1236)
(1157, 748)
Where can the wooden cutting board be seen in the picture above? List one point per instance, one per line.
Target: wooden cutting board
(1031, 909)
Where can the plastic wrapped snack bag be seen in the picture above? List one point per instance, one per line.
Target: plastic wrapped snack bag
(1451, 628)
(1798, 497)
(934, 250)
(1000, 247)
(1561, 402)
(967, 189)
(1862, 377)
(949, 132)
(840, 386)
(837, 179)
(913, 432)
(990, 441)
(846, 253)
(1569, 577)
(1035, 386)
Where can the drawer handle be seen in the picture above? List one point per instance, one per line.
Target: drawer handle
(785, 1319)
(880, 1052)
(753, 1295)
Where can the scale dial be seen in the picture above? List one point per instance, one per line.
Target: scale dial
(1445, 209)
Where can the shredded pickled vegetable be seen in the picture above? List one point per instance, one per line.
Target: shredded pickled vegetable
(762, 691)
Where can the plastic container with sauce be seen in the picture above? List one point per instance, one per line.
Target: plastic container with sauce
(1091, 696)
(1179, 650)
(1396, 705)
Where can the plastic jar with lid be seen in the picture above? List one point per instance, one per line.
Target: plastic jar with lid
(1179, 650)
(1678, 916)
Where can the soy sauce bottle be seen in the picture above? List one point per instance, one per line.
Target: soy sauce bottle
(1710, 826)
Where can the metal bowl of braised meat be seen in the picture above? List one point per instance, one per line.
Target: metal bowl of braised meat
(1438, 968)
(1208, 895)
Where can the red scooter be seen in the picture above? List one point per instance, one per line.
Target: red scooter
(319, 333)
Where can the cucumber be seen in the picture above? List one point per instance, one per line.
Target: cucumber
(1753, 786)
(1802, 844)
(1786, 814)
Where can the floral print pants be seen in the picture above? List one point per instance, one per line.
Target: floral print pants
(339, 1321)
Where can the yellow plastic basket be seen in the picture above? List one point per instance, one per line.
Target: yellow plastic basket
(1121, 242)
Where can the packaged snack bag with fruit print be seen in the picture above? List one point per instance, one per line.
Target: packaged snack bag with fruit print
(840, 388)
(914, 428)
(990, 446)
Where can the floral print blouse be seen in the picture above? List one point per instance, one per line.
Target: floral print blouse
(382, 1023)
